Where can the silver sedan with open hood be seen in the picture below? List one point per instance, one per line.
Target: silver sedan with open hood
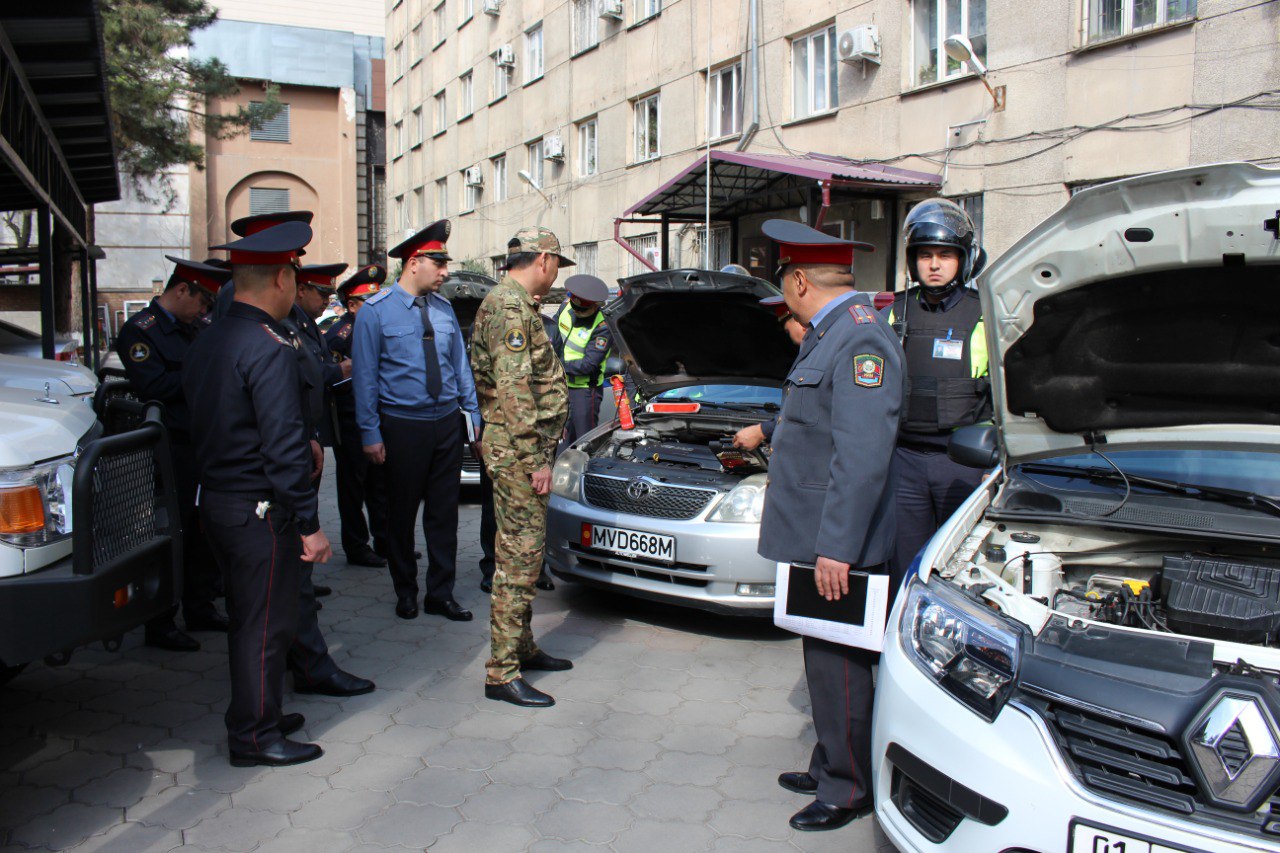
(668, 509)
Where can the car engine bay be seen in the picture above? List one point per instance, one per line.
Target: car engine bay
(1197, 588)
(668, 446)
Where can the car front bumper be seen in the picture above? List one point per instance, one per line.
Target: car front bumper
(712, 559)
(1010, 764)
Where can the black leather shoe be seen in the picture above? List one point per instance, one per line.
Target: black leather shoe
(339, 684)
(407, 608)
(417, 555)
(448, 608)
(819, 816)
(801, 783)
(282, 753)
(322, 590)
(518, 692)
(486, 587)
(171, 640)
(367, 557)
(546, 663)
(544, 583)
(211, 621)
(290, 723)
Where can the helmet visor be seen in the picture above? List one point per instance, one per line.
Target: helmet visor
(928, 216)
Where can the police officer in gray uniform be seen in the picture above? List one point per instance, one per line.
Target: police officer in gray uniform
(830, 499)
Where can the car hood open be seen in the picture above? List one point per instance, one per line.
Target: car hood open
(465, 291)
(1144, 312)
(675, 328)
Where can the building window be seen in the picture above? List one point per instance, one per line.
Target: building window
(499, 178)
(813, 73)
(470, 195)
(501, 79)
(588, 148)
(496, 262)
(587, 256)
(586, 24)
(442, 111)
(418, 125)
(466, 93)
(273, 129)
(438, 24)
(267, 200)
(397, 140)
(468, 11)
(419, 209)
(934, 21)
(647, 8)
(1108, 19)
(647, 245)
(726, 101)
(398, 220)
(972, 205)
(533, 56)
(719, 248)
(536, 160)
(647, 126)
(417, 47)
(442, 198)
(397, 61)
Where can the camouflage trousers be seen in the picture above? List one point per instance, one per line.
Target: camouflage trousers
(522, 526)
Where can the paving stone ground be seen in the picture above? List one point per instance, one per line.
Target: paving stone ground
(667, 736)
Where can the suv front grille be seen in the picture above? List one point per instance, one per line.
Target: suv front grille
(1129, 762)
(470, 463)
(662, 501)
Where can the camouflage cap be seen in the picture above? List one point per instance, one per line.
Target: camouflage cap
(537, 239)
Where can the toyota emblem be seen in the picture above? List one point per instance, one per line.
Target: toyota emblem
(638, 489)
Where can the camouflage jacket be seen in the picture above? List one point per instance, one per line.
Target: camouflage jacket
(523, 396)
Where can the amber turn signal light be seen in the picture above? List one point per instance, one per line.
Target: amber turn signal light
(21, 510)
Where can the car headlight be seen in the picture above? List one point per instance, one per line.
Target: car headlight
(966, 648)
(744, 503)
(566, 476)
(35, 503)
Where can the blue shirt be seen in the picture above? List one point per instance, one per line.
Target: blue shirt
(829, 307)
(389, 370)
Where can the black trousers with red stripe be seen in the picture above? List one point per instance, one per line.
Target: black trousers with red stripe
(261, 562)
(841, 693)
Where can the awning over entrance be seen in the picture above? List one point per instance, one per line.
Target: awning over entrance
(744, 183)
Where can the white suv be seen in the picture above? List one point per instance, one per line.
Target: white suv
(1088, 658)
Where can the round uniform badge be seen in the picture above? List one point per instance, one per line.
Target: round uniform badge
(601, 343)
(139, 352)
(515, 340)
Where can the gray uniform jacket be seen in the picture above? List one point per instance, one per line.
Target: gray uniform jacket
(830, 491)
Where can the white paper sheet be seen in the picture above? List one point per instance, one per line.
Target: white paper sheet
(867, 636)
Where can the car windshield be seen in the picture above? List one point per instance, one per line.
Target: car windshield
(1231, 469)
(738, 395)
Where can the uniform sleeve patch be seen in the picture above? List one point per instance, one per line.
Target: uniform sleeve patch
(601, 343)
(516, 340)
(868, 370)
(139, 352)
(146, 321)
(862, 314)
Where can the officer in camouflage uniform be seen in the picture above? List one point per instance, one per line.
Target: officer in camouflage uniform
(524, 402)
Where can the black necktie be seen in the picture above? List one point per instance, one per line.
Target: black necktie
(429, 354)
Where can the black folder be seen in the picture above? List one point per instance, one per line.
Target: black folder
(803, 598)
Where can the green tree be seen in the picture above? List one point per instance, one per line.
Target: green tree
(158, 93)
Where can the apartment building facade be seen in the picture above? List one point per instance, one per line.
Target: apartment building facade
(597, 118)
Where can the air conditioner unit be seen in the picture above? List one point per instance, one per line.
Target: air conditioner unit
(506, 56)
(653, 256)
(553, 148)
(859, 43)
(492, 7)
(475, 177)
(611, 9)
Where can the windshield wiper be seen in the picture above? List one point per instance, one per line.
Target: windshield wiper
(1232, 497)
(736, 407)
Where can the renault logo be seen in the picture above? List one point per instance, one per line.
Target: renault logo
(638, 489)
(1233, 747)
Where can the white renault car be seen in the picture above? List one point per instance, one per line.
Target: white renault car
(1088, 658)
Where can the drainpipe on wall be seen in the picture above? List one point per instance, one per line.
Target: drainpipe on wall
(617, 238)
(753, 36)
(826, 203)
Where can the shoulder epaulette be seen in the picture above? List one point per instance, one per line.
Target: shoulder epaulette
(862, 314)
(378, 297)
(145, 320)
(344, 331)
(281, 339)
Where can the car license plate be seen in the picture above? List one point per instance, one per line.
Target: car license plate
(634, 543)
(1096, 839)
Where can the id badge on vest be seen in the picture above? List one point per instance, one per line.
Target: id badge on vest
(948, 348)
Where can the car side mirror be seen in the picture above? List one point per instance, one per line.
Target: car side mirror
(975, 446)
